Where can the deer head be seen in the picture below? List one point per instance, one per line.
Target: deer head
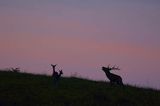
(53, 65)
(60, 72)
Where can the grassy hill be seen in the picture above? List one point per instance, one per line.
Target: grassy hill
(21, 89)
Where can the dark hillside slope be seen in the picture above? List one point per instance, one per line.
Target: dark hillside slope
(21, 89)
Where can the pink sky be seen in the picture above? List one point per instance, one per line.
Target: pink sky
(82, 36)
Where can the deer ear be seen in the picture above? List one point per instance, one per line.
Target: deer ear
(53, 65)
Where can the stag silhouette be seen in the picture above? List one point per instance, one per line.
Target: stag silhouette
(112, 77)
(55, 75)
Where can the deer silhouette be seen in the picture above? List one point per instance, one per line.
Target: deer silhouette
(55, 75)
(112, 77)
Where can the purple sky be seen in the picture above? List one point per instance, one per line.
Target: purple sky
(81, 36)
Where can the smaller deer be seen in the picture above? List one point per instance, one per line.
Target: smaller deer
(112, 77)
(56, 76)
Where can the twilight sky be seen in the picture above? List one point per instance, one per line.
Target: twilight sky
(81, 36)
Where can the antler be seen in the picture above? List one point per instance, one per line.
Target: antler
(108, 66)
(115, 68)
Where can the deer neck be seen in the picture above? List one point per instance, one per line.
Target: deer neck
(54, 69)
(107, 73)
(54, 73)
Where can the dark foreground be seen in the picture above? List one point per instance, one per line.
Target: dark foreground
(20, 89)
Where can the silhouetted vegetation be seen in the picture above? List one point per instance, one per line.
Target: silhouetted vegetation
(22, 89)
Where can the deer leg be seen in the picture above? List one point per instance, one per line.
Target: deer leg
(120, 82)
(111, 83)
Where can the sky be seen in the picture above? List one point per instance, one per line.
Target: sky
(81, 36)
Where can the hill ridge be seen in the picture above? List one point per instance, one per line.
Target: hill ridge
(31, 89)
